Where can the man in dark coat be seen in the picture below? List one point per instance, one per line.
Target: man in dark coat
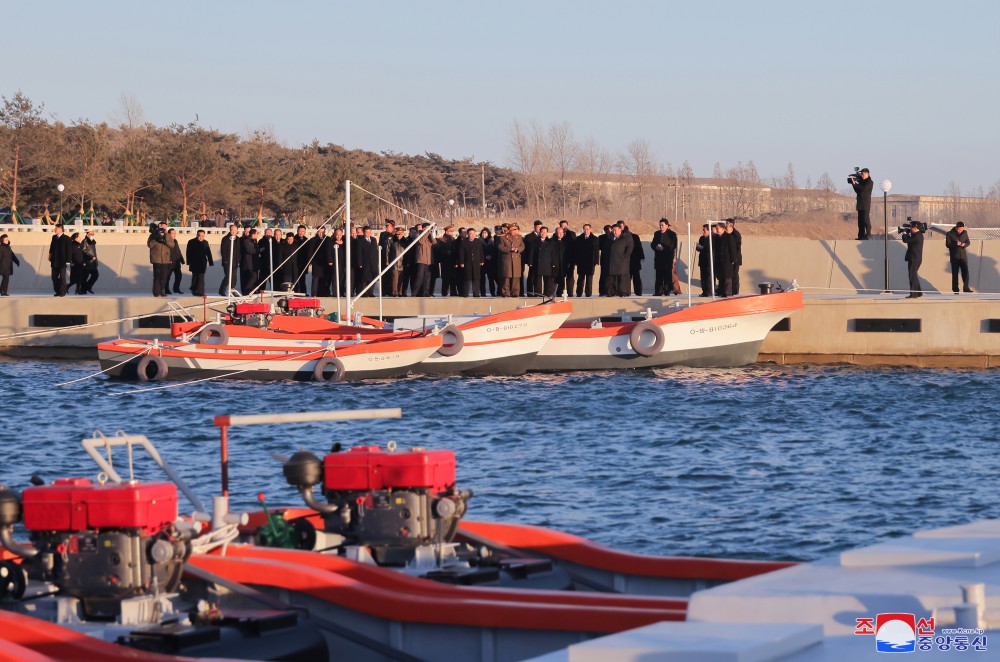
(320, 249)
(366, 260)
(7, 261)
(471, 258)
(287, 265)
(90, 268)
(569, 237)
(445, 257)
(177, 259)
(562, 261)
(267, 253)
(735, 252)
(705, 261)
(229, 249)
(301, 259)
(619, 261)
(721, 262)
(586, 254)
(249, 262)
(59, 248)
(385, 240)
(914, 240)
(199, 258)
(664, 247)
(604, 244)
(531, 284)
(957, 240)
(863, 189)
(543, 264)
(638, 257)
(76, 263)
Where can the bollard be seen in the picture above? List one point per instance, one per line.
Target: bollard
(967, 615)
(975, 594)
(766, 288)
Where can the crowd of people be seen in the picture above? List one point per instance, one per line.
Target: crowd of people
(463, 262)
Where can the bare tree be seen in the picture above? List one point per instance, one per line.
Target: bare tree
(530, 158)
(85, 162)
(639, 164)
(134, 156)
(563, 152)
(23, 145)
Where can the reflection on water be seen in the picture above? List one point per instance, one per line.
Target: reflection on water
(762, 462)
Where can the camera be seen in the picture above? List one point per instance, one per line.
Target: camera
(855, 177)
(912, 226)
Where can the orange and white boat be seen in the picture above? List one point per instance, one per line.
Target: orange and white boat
(327, 360)
(497, 344)
(724, 333)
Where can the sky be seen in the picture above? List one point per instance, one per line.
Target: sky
(907, 88)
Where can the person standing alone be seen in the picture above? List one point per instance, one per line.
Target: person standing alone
(863, 186)
(957, 240)
(914, 240)
(7, 262)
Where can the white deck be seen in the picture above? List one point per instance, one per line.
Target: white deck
(771, 617)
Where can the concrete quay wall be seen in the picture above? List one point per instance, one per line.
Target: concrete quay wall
(819, 266)
(934, 331)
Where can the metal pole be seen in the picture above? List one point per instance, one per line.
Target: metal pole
(689, 264)
(225, 459)
(711, 258)
(271, 247)
(380, 285)
(885, 237)
(336, 276)
(347, 250)
(229, 277)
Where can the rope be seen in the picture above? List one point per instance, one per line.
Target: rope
(391, 204)
(145, 351)
(228, 374)
(28, 334)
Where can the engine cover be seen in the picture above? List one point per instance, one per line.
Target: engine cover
(371, 468)
(76, 504)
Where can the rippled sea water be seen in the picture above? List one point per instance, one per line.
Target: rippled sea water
(767, 462)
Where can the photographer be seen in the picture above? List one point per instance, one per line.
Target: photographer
(863, 185)
(957, 241)
(913, 236)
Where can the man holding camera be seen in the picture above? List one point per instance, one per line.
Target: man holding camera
(863, 185)
(957, 241)
(913, 237)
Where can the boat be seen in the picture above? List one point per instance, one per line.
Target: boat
(383, 564)
(101, 578)
(717, 334)
(327, 361)
(496, 344)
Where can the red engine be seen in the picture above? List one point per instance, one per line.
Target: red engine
(101, 543)
(383, 499)
(301, 307)
(250, 314)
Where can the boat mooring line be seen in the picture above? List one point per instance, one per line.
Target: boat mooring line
(210, 378)
(101, 372)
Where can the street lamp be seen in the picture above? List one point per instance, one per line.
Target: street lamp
(886, 185)
(60, 188)
(451, 210)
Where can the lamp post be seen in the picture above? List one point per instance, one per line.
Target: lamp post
(60, 188)
(451, 211)
(886, 186)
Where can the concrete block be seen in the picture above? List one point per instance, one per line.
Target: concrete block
(700, 642)
(989, 528)
(938, 552)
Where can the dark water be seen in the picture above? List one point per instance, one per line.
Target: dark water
(761, 462)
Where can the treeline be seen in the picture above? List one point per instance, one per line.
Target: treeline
(134, 170)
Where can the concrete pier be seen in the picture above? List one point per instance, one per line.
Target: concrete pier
(845, 319)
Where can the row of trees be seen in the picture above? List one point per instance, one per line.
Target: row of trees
(130, 168)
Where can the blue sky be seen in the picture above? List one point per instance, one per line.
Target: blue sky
(910, 89)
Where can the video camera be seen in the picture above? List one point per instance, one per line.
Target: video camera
(854, 177)
(912, 226)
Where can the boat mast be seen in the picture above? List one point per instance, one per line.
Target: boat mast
(347, 249)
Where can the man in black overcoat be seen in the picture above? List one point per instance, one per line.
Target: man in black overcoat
(914, 240)
(721, 262)
(59, 250)
(863, 186)
(735, 244)
(705, 261)
(366, 260)
(957, 240)
(199, 258)
(619, 261)
(586, 255)
(230, 246)
(664, 247)
(471, 258)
